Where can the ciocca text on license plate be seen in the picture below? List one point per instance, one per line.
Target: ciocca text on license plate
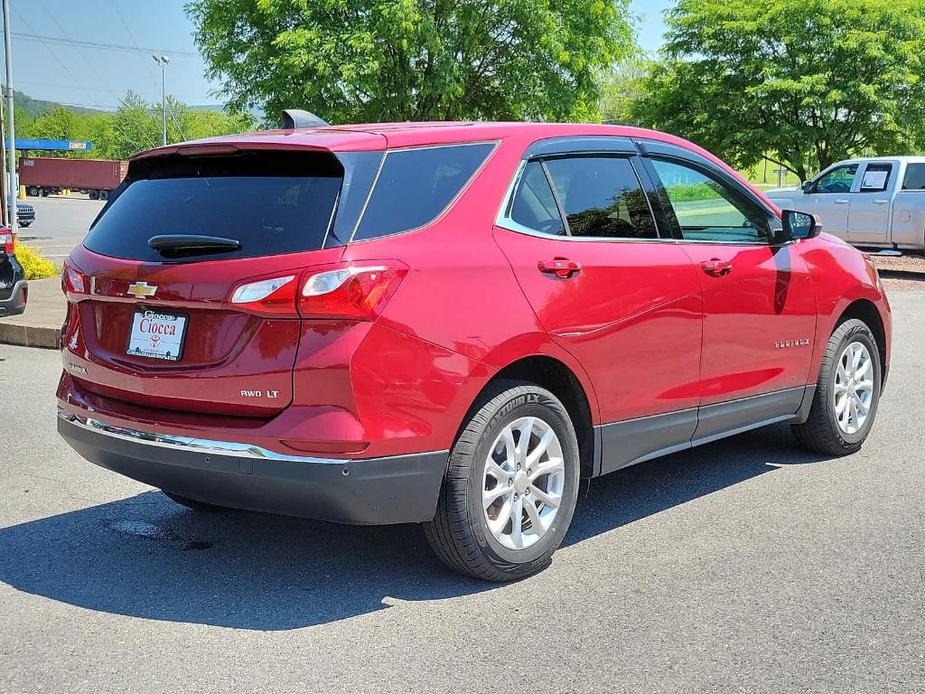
(157, 335)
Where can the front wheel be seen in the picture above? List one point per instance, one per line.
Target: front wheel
(847, 393)
(511, 486)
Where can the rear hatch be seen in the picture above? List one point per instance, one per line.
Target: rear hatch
(179, 297)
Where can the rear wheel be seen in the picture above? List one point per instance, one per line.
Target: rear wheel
(847, 393)
(195, 505)
(511, 486)
(32, 192)
(104, 195)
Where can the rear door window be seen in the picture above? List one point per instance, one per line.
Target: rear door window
(915, 177)
(415, 186)
(270, 203)
(601, 197)
(876, 178)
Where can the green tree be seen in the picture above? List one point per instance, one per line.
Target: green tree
(378, 60)
(806, 81)
(622, 87)
(133, 128)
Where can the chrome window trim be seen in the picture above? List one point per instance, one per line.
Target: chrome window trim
(449, 205)
(504, 221)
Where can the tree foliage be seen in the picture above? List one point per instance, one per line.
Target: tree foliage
(381, 60)
(807, 81)
(135, 126)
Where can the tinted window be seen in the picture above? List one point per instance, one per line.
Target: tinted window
(533, 205)
(838, 180)
(601, 197)
(915, 177)
(876, 178)
(709, 210)
(271, 204)
(416, 185)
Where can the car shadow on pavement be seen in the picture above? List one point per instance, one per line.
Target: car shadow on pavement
(147, 557)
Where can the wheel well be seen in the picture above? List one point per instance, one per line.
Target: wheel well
(559, 380)
(865, 311)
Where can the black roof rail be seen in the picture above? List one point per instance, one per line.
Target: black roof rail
(297, 118)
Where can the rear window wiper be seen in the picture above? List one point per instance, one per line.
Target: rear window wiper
(176, 245)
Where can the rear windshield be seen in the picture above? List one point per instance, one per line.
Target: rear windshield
(270, 203)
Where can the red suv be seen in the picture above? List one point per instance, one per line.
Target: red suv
(451, 324)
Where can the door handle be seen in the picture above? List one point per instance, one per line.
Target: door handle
(716, 267)
(560, 267)
(840, 202)
(881, 202)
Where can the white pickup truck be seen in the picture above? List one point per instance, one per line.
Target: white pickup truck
(872, 203)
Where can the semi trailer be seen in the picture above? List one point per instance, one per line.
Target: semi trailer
(42, 176)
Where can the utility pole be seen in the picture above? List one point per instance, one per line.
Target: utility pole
(3, 181)
(12, 188)
(161, 60)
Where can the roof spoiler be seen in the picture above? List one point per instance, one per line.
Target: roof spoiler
(297, 118)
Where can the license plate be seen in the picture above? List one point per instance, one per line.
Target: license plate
(157, 335)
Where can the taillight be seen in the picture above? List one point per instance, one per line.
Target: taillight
(74, 283)
(357, 291)
(7, 241)
(275, 296)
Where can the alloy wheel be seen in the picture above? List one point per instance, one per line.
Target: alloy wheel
(853, 390)
(523, 482)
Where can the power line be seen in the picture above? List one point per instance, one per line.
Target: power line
(83, 57)
(93, 44)
(131, 37)
(50, 51)
(54, 85)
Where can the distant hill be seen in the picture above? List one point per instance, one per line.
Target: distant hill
(206, 107)
(36, 107)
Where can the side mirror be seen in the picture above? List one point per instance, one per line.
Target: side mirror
(800, 225)
(805, 186)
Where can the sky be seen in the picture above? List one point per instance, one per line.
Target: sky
(47, 64)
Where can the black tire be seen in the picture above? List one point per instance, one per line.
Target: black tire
(459, 533)
(94, 195)
(821, 432)
(195, 505)
(32, 192)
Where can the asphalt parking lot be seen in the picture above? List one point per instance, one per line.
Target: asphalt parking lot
(746, 565)
(60, 224)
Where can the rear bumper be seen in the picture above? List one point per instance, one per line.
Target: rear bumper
(373, 491)
(14, 302)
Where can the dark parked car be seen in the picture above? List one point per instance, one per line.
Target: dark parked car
(14, 291)
(452, 324)
(25, 214)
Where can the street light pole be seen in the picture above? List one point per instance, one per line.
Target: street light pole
(11, 129)
(161, 60)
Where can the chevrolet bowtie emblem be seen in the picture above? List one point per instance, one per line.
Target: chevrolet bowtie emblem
(141, 289)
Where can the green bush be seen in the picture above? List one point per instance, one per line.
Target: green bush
(36, 266)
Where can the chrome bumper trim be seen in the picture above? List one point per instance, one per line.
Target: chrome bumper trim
(188, 443)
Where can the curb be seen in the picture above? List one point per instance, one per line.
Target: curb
(29, 336)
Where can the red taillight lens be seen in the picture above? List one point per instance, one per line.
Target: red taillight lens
(358, 291)
(7, 241)
(274, 296)
(74, 283)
